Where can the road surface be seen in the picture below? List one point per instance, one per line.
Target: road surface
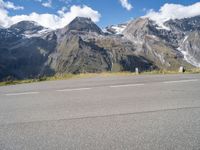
(147, 112)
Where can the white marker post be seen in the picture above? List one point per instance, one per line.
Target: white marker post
(181, 69)
(136, 70)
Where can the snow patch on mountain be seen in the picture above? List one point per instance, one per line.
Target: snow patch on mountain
(40, 33)
(115, 29)
(190, 59)
(119, 29)
(187, 56)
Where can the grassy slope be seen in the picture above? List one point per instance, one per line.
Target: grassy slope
(88, 75)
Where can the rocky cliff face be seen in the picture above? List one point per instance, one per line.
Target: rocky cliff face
(187, 30)
(169, 48)
(28, 50)
(22, 56)
(190, 48)
(83, 47)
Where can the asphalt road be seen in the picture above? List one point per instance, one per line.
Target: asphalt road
(158, 112)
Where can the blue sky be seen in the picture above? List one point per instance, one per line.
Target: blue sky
(111, 11)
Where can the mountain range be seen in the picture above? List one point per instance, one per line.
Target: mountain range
(29, 50)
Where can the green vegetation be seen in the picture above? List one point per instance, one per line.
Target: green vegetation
(89, 75)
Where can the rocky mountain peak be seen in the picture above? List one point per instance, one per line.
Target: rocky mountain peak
(83, 24)
(137, 29)
(26, 25)
(28, 29)
(82, 19)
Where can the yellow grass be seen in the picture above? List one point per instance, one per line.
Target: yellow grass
(90, 75)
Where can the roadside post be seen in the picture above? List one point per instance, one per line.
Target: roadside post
(136, 70)
(181, 69)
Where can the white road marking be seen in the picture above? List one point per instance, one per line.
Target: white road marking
(126, 85)
(17, 94)
(181, 81)
(69, 90)
(113, 86)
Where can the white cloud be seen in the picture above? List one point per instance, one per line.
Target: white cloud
(47, 4)
(9, 5)
(174, 11)
(126, 4)
(52, 21)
